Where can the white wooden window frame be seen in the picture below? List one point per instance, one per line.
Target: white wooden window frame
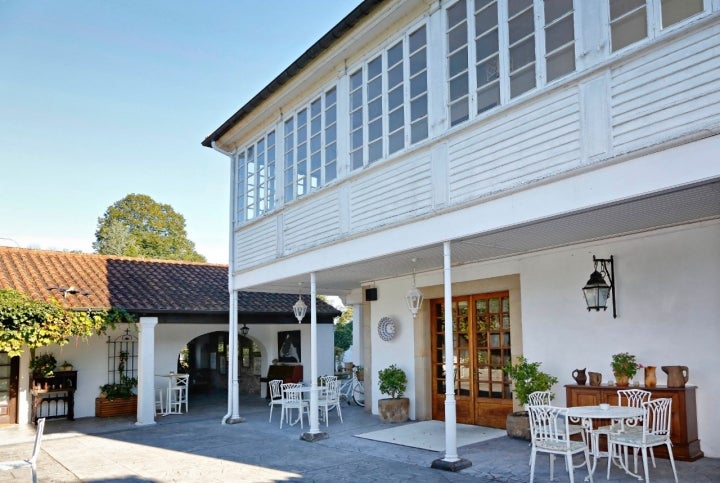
(310, 154)
(504, 46)
(365, 149)
(254, 182)
(653, 10)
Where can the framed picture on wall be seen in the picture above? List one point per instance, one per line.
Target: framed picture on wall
(289, 346)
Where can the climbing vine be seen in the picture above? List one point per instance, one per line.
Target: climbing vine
(30, 323)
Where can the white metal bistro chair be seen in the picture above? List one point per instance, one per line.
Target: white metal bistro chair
(178, 394)
(551, 435)
(32, 461)
(160, 395)
(275, 395)
(543, 398)
(330, 400)
(633, 398)
(292, 399)
(655, 432)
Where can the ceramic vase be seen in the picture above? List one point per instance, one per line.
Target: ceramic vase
(650, 377)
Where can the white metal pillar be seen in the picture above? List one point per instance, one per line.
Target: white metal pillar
(146, 371)
(314, 432)
(233, 415)
(451, 461)
(358, 343)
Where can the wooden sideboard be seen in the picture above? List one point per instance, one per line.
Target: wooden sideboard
(683, 431)
(54, 396)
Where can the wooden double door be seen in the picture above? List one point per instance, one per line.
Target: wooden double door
(481, 348)
(9, 372)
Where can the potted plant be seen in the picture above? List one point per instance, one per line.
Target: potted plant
(393, 382)
(624, 366)
(117, 398)
(43, 365)
(526, 378)
(65, 366)
(360, 374)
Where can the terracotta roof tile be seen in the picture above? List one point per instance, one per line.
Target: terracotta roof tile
(136, 284)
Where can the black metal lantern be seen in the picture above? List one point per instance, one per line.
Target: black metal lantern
(597, 289)
(244, 330)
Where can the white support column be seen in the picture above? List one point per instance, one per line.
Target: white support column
(146, 371)
(451, 461)
(314, 432)
(233, 415)
(358, 343)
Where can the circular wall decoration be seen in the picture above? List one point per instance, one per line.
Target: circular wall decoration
(386, 328)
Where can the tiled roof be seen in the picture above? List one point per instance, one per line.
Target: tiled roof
(135, 284)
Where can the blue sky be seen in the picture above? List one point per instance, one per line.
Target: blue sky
(100, 99)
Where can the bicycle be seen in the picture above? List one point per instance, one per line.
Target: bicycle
(353, 389)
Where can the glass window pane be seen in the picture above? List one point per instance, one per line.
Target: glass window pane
(418, 85)
(559, 34)
(555, 9)
(395, 54)
(330, 171)
(419, 131)
(486, 45)
(488, 97)
(356, 99)
(330, 97)
(396, 120)
(374, 67)
(621, 7)
(356, 119)
(522, 81)
(673, 11)
(560, 63)
(458, 62)
(374, 88)
(397, 141)
(395, 98)
(356, 80)
(486, 19)
(488, 71)
(395, 76)
(522, 54)
(330, 134)
(418, 108)
(418, 61)
(457, 37)
(375, 130)
(629, 30)
(375, 151)
(417, 39)
(515, 6)
(459, 87)
(522, 26)
(459, 112)
(375, 108)
(330, 152)
(456, 13)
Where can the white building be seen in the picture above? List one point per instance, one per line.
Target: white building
(500, 144)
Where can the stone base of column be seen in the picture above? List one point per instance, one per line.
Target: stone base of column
(236, 420)
(312, 437)
(441, 464)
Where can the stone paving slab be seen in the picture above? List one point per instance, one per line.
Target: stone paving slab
(196, 447)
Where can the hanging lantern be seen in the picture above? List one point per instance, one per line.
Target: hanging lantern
(414, 296)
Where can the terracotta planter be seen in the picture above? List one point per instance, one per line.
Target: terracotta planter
(621, 380)
(517, 425)
(394, 410)
(107, 408)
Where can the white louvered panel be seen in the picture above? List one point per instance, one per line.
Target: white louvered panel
(312, 223)
(668, 93)
(531, 144)
(399, 192)
(255, 244)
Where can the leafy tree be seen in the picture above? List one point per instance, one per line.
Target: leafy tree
(138, 226)
(27, 322)
(344, 330)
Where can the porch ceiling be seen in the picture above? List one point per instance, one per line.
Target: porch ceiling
(697, 202)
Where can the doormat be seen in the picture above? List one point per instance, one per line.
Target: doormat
(430, 435)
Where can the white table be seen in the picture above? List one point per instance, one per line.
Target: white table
(586, 414)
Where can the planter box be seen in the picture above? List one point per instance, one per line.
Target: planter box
(394, 410)
(107, 408)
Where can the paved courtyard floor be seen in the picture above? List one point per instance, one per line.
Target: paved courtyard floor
(195, 447)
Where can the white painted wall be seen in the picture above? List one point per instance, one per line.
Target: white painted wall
(90, 358)
(667, 286)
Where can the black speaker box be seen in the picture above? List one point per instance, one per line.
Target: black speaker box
(370, 294)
